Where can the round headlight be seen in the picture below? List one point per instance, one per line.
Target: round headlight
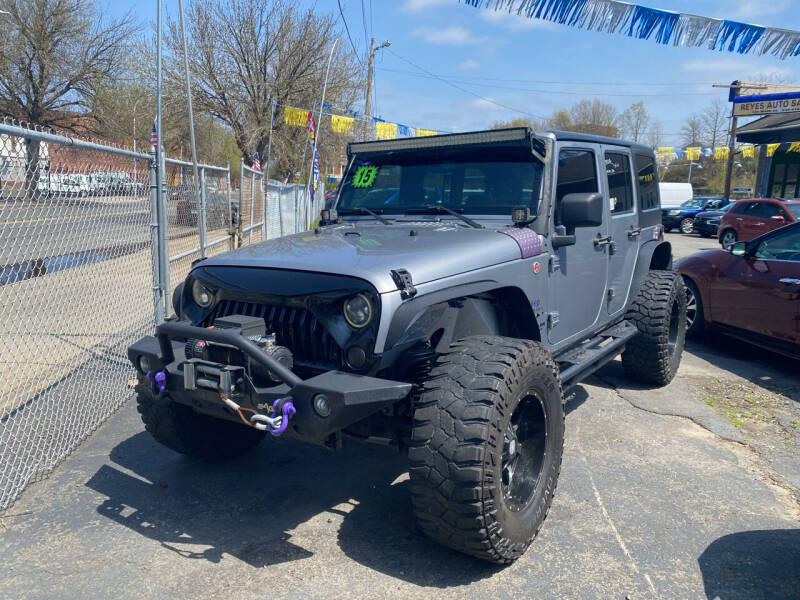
(358, 311)
(202, 295)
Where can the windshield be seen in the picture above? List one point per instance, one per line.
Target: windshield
(467, 185)
(694, 203)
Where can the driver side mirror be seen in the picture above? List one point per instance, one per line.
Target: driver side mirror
(739, 249)
(582, 210)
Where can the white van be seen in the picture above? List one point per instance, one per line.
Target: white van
(674, 194)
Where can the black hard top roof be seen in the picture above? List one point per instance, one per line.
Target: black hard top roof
(519, 136)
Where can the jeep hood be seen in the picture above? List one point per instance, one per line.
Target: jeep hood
(370, 252)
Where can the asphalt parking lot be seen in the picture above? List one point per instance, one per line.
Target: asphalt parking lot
(690, 491)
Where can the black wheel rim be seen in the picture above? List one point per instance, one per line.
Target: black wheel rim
(691, 307)
(524, 445)
(674, 326)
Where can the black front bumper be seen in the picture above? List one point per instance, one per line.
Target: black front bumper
(671, 222)
(198, 383)
(704, 227)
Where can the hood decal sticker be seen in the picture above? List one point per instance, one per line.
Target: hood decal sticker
(529, 242)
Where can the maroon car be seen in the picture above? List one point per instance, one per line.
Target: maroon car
(751, 292)
(748, 219)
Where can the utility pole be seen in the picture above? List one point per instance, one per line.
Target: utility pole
(370, 67)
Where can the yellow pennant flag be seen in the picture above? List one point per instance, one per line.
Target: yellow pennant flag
(664, 152)
(425, 132)
(385, 131)
(295, 116)
(721, 152)
(693, 153)
(748, 151)
(342, 124)
(771, 149)
(795, 147)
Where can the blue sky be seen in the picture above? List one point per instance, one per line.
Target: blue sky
(488, 52)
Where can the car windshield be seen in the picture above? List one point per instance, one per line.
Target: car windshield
(694, 203)
(794, 209)
(466, 184)
(725, 208)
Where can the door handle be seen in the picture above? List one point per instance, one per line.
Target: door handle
(634, 231)
(790, 281)
(601, 240)
(739, 219)
(762, 223)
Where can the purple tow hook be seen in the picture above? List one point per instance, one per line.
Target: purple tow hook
(287, 411)
(159, 380)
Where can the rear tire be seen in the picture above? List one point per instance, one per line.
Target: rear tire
(183, 430)
(728, 238)
(486, 446)
(686, 225)
(659, 313)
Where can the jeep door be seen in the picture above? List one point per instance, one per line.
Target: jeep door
(624, 228)
(578, 272)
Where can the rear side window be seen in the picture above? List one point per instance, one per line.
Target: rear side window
(647, 181)
(620, 187)
(744, 208)
(577, 174)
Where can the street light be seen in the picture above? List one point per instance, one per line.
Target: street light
(372, 50)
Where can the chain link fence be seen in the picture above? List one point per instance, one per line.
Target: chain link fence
(87, 264)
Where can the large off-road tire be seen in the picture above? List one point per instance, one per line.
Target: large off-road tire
(183, 430)
(659, 313)
(486, 446)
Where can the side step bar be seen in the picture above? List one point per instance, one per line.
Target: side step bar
(577, 364)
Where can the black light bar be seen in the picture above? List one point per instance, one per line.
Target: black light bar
(492, 136)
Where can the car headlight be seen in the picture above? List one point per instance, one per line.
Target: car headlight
(713, 221)
(202, 295)
(674, 212)
(358, 311)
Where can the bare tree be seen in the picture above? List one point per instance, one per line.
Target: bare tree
(561, 121)
(634, 121)
(655, 135)
(247, 57)
(714, 120)
(692, 131)
(55, 55)
(595, 117)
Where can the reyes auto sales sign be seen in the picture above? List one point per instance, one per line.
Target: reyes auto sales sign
(766, 104)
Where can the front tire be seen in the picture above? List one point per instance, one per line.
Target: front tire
(728, 239)
(659, 313)
(486, 446)
(695, 322)
(686, 225)
(183, 430)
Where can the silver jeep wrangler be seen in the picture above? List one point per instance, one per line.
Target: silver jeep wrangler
(460, 285)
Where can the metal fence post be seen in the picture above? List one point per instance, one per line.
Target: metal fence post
(241, 199)
(252, 208)
(163, 244)
(280, 209)
(263, 207)
(155, 254)
(202, 215)
(231, 243)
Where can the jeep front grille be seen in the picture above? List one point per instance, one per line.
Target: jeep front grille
(295, 328)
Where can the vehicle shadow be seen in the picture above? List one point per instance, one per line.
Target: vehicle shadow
(752, 565)
(769, 370)
(247, 508)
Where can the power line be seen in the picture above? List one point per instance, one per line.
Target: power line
(347, 29)
(466, 91)
(563, 92)
(610, 83)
